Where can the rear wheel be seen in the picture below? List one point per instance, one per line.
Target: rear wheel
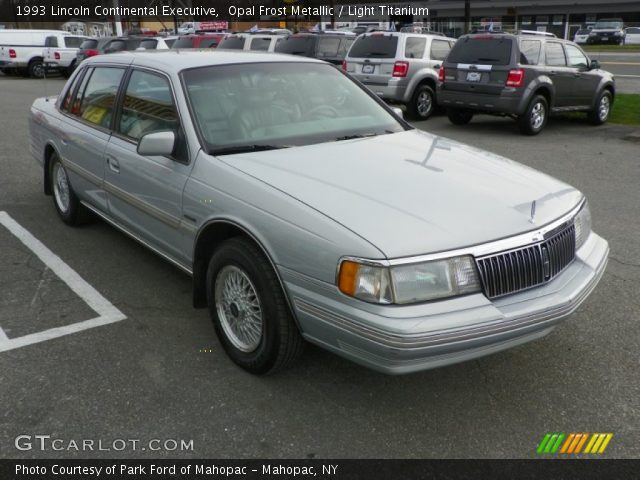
(600, 114)
(36, 68)
(249, 310)
(459, 116)
(69, 208)
(422, 104)
(536, 116)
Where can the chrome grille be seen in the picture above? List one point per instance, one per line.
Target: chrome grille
(523, 268)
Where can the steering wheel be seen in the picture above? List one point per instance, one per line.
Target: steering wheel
(322, 111)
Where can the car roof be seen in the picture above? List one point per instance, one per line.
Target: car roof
(406, 34)
(178, 60)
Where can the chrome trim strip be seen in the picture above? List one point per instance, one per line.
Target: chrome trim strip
(497, 246)
(83, 172)
(113, 223)
(541, 318)
(155, 212)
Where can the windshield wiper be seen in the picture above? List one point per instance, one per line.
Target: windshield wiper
(245, 149)
(363, 135)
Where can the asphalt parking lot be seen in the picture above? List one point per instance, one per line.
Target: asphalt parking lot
(156, 369)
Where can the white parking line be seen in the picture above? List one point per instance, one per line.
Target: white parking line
(107, 312)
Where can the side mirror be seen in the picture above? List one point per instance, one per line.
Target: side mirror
(398, 111)
(594, 65)
(157, 144)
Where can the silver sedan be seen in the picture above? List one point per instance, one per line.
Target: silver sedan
(306, 209)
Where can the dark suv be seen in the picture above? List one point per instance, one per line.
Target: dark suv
(329, 47)
(525, 76)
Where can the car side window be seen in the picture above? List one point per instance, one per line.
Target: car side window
(415, 47)
(440, 49)
(576, 58)
(530, 52)
(209, 43)
(555, 54)
(74, 106)
(345, 45)
(98, 99)
(51, 42)
(148, 106)
(65, 105)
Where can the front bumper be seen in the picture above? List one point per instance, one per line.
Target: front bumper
(404, 339)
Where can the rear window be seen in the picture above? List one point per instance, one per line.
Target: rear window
(328, 47)
(72, 42)
(183, 43)
(234, 43)
(260, 44)
(89, 44)
(302, 45)
(148, 44)
(375, 46)
(483, 50)
(51, 42)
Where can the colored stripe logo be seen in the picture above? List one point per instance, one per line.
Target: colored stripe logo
(573, 443)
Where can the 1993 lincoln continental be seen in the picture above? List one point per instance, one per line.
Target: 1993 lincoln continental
(305, 209)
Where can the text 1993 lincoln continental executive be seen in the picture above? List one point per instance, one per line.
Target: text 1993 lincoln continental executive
(306, 209)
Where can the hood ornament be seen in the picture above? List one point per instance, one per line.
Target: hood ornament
(533, 212)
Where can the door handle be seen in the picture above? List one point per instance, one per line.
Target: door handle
(114, 166)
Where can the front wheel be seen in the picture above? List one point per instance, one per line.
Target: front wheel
(249, 310)
(459, 116)
(536, 116)
(600, 114)
(422, 104)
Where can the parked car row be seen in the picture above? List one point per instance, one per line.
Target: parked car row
(608, 30)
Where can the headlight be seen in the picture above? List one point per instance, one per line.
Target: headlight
(411, 283)
(582, 224)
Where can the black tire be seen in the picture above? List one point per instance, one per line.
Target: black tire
(602, 110)
(71, 212)
(530, 123)
(36, 67)
(459, 116)
(278, 344)
(422, 104)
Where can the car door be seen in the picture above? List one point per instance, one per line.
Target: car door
(586, 81)
(86, 128)
(145, 193)
(561, 76)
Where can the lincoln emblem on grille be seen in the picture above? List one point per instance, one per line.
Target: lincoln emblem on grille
(546, 263)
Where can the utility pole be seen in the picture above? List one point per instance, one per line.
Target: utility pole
(467, 16)
(332, 5)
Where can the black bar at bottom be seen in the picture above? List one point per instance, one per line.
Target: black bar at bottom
(319, 469)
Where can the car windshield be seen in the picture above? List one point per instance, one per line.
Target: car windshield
(582, 32)
(608, 24)
(250, 107)
(487, 50)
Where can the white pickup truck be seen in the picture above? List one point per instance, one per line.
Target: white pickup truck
(60, 53)
(21, 51)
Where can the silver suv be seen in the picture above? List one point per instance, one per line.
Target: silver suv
(400, 67)
(525, 76)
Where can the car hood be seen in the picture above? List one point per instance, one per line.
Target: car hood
(413, 193)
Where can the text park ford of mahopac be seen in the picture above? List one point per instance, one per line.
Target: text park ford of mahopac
(306, 209)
